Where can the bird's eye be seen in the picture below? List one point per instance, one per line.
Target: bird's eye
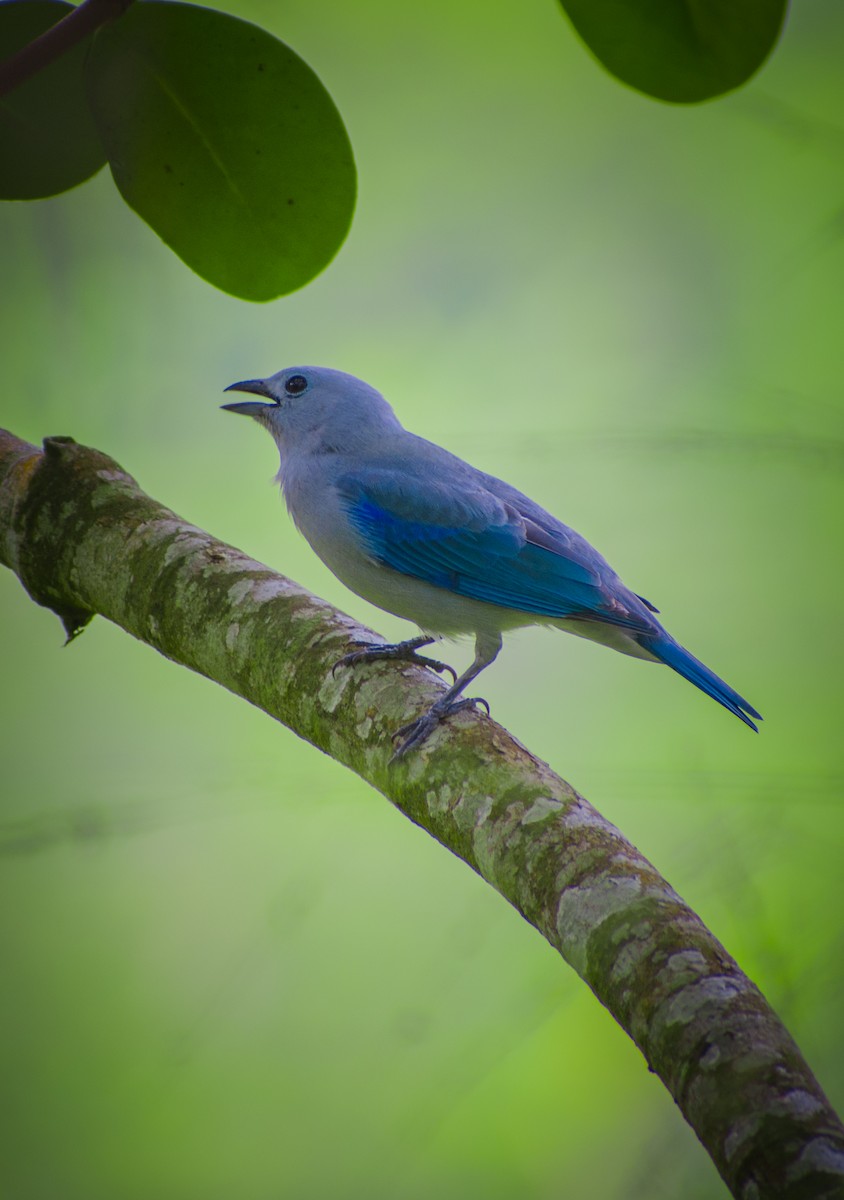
(295, 385)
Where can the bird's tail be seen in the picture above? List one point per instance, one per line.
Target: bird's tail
(691, 668)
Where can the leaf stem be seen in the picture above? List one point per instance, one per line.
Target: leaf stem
(57, 40)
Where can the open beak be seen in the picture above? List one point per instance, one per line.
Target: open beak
(251, 408)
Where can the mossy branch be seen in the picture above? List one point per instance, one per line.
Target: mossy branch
(84, 539)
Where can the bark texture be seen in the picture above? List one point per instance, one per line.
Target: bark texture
(84, 539)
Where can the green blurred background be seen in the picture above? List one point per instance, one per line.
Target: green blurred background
(230, 969)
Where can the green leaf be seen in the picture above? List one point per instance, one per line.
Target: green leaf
(226, 143)
(48, 142)
(679, 50)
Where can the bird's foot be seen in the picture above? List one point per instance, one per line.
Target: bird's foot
(401, 652)
(416, 732)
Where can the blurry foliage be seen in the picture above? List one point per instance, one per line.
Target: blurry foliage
(226, 143)
(222, 139)
(217, 135)
(48, 141)
(679, 50)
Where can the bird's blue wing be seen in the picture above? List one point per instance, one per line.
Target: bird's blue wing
(472, 542)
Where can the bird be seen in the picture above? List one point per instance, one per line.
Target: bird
(422, 534)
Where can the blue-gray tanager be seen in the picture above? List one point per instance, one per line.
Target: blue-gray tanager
(420, 533)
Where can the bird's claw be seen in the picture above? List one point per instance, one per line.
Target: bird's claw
(375, 652)
(416, 732)
(433, 664)
(348, 660)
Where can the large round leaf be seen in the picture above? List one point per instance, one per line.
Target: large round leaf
(48, 142)
(679, 50)
(222, 139)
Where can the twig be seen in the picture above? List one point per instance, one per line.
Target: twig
(57, 40)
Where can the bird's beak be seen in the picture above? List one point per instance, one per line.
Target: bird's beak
(251, 408)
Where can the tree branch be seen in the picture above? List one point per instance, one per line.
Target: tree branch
(57, 40)
(85, 539)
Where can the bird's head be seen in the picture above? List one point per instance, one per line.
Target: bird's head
(315, 409)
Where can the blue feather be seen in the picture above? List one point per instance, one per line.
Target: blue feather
(481, 546)
(494, 548)
(679, 659)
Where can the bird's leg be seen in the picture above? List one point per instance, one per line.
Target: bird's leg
(403, 651)
(409, 736)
